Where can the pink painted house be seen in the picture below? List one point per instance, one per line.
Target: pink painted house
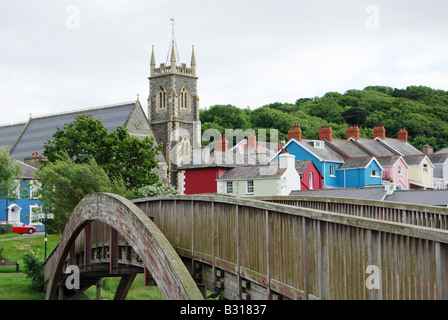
(395, 170)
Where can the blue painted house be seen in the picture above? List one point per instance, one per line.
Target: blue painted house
(326, 160)
(359, 173)
(340, 166)
(21, 208)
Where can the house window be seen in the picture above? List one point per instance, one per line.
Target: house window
(375, 173)
(17, 190)
(400, 170)
(250, 187)
(35, 210)
(425, 168)
(332, 170)
(34, 187)
(311, 181)
(229, 186)
(319, 144)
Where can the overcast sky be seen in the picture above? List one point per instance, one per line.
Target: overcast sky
(60, 55)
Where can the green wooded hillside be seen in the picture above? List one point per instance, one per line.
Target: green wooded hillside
(421, 110)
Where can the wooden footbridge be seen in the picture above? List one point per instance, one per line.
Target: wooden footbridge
(255, 248)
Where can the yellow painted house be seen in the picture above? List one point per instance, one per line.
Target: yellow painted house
(421, 172)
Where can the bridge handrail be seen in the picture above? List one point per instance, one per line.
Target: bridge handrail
(414, 214)
(356, 221)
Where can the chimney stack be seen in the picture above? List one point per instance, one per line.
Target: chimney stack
(252, 140)
(353, 131)
(427, 149)
(403, 135)
(379, 132)
(295, 132)
(222, 145)
(326, 132)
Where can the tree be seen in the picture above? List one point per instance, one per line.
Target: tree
(64, 183)
(10, 171)
(118, 153)
(227, 116)
(355, 116)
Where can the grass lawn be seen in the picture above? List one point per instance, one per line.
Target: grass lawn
(16, 286)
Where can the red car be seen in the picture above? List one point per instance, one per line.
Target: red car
(20, 227)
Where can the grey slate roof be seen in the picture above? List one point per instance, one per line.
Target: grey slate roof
(40, 129)
(377, 148)
(423, 197)
(414, 160)
(355, 163)
(444, 150)
(350, 148)
(325, 153)
(401, 146)
(253, 172)
(29, 172)
(365, 193)
(302, 165)
(438, 158)
(9, 134)
(388, 161)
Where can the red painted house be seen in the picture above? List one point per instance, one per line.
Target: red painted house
(201, 178)
(310, 177)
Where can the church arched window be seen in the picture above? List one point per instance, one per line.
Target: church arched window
(161, 99)
(184, 98)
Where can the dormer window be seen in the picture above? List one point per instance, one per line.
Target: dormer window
(319, 144)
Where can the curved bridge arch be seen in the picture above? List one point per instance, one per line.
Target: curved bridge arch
(157, 254)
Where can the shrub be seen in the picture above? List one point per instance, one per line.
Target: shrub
(34, 270)
(5, 228)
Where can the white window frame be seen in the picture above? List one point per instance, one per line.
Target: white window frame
(373, 171)
(400, 170)
(34, 187)
(425, 168)
(332, 170)
(311, 184)
(229, 187)
(250, 187)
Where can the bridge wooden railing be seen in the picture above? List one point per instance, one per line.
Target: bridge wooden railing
(419, 215)
(303, 253)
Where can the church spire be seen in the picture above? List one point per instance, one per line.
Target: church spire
(153, 61)
(193, 62)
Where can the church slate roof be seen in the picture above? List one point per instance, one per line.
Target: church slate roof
(10, 133)
(25, 139)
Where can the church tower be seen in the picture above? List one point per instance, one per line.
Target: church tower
(173, 110)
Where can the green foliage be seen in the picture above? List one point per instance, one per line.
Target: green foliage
(156, 190)
(9, 172)
(34, 270)
(119, 154)
(65, 182)
(5, 228)
(421, 110)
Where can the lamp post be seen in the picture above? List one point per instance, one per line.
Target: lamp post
(44, 217)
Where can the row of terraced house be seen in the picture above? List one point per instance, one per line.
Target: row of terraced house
(327, 163)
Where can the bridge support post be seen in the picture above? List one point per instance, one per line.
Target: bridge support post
(441, 251)
(124, 286)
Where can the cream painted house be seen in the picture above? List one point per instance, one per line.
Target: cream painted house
(421, 172)
(276, 178)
